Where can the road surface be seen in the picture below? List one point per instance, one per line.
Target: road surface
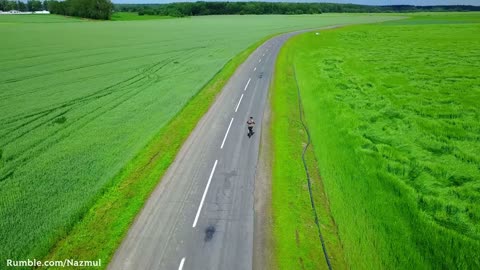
(201, 215)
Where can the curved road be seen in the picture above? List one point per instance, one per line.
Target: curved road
(201, 215)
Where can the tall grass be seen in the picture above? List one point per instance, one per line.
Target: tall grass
(80, 100)
(394, 115)
(296, 239)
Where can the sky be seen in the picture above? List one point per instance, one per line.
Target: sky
(361, 2)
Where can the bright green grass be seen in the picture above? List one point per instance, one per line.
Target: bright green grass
(297, 245)
(393, 110)
(133, 16)
(79, 103)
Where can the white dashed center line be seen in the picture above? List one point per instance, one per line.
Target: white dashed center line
(254, 68)
(236, 109)
(226, 133)
(204, 195)
(180, 267)
(259, 60)
(245, 89)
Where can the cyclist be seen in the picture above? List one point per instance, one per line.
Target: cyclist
(250, 125)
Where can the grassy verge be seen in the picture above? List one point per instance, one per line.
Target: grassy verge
(102, 229)
(297, 245)
(393, 113)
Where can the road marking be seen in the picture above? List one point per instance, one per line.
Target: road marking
(259, 60)
(204, 194)
(255, 69)
(236, 109)
(228, 129)
(180, 267)
(245, 89)
(263, 55)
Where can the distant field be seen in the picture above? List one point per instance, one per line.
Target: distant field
(78, 101)
(394, 114)
(439, 18)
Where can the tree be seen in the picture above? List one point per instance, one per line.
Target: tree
(34, 5)
(3, 5)
(37, 5)
(11, 5)
(22, 6)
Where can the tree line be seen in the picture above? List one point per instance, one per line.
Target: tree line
(92, 9)
(30, 5)
(102, 9)
(240, 8)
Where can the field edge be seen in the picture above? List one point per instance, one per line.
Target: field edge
(296, 242)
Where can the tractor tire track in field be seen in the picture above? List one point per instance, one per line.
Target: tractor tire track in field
(66, 129)
(77, 103)
(58, 85)
(80, 99)
(148, 70)
(130, 87)
(44, 122)
(57, 49)
(80, 55)
(93, 96)
(77, 68)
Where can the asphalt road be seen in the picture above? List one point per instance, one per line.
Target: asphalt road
(201, 215)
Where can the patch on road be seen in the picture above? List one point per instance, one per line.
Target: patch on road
(209, 232)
